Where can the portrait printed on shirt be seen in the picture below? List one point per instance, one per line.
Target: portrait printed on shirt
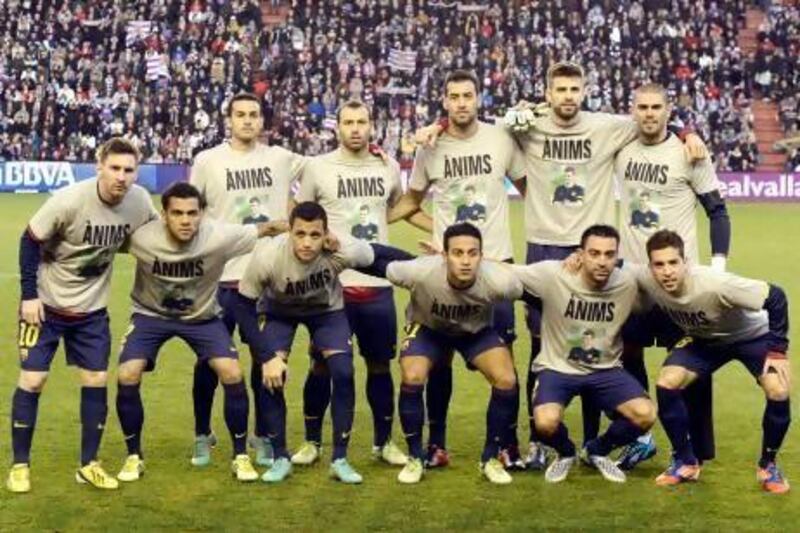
(568, 184)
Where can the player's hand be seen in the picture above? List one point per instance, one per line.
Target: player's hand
(32, 312)
(718, 263)
(695, 148)
(572, 264)
(778, 363)
(427, 135)
(428, 248)
(275, 373)
(376, 150)
(332, 243)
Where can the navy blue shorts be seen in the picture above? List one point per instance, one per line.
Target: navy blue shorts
(373, 319)
(208, 339)
(651, 328)
(438, 347)
(87, 341)
(328, 331)
(704, 358)
(535, 254)
(227, 297)
(606, 389)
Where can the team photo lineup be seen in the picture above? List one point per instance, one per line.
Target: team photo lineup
(597, 349)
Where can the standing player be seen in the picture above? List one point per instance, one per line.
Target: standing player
(299, 284)
(351, 183)
(726, 317)
(581, 145)
(184, 253)
(466, 168)
(596, 299)
(451, 309)
(660, 189)
(66, 256)
(242, 181)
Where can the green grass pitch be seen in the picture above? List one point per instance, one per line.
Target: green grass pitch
(173, 495)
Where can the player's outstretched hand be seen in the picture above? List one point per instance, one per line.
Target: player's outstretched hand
(275, 373)
(572, 263)
(32, 312)
(695, 148)
(428, 248)
(427, 135)
(778, 363)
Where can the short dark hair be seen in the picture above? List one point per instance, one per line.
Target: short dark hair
(664, 239)
(352, 104)
(469, 188)
(117, 145)
(599, 230)
(309, 211)
(255, 199)
(564, 69)
(462, 229)
(364, 207)
(243, 97)
(461, 75)
(182, 189)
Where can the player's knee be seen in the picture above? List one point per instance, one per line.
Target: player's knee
(340, 366)
(546, 423)
(774, 389)
(129, 374)
(414, 375)
(643, 414)
(672, 378)
(93, 378)
(228, 370)
(504, 381)
(32, 381)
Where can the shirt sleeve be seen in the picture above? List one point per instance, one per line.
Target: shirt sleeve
(737, 291)
(404, 273)
(517, 167)
(622, 129)
(238, 239)
(419, 180)
(196, 174)
(703, 177)
(50, 219)
(307, 187)
(355, 253)
(302, 180)
(256, 275)
(506, 282)
(395, 183)
(536, 278)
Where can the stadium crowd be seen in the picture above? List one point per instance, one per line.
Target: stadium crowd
(74, 73)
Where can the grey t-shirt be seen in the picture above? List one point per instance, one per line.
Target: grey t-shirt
(659, 189)
(179, 280)
(581, 326)
(437, 305)
(715, 306)
(246, 187)
(356, 195)
(291, 288)
(570, 175)
(80, 235)
(467, 179)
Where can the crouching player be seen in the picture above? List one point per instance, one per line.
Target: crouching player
(179, 260)
(452, 302)
(583, 314)
(299, 281)
(726, 317)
